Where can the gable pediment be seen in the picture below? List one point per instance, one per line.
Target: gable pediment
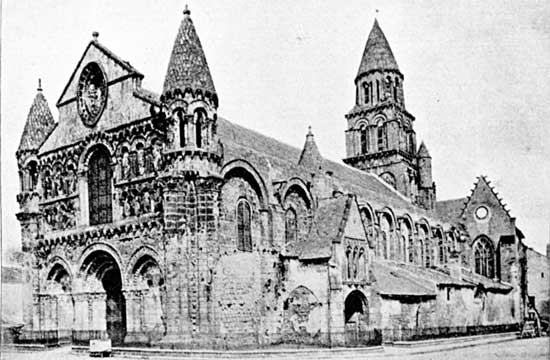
(483, 195)
(114, 67)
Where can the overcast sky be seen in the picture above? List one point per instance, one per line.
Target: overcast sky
(476, 78)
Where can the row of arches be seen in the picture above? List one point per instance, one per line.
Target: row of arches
(101, 285)
(406, 241)
(379, 90)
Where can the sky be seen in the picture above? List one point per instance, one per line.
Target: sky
(476, 78)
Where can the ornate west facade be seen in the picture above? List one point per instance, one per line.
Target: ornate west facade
(148, 218)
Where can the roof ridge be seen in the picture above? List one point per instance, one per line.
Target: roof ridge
(125, 64)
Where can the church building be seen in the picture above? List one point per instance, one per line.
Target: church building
(149, 219)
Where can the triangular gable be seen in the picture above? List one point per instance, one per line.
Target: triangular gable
(484, 194)
(353, 227)
(113, 66)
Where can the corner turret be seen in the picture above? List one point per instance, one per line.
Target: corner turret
(190, 103)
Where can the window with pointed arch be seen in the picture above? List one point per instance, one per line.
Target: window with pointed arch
(291, 226)
(484, 257)
(244, 236)
(99, 187)
(364, 139)
(381, 136)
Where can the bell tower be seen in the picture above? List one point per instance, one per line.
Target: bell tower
(192, 179)
(380, 137)
(190, 104)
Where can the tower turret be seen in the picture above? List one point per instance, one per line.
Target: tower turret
(380, 136)
(426, 186)
(190, 104)
(39, 125)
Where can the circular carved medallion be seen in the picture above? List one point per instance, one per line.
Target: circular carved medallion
(91, 94)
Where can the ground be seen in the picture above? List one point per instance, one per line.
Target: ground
(531, 349)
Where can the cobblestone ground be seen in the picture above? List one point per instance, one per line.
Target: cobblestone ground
(531, 349)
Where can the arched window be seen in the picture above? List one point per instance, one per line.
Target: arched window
(385, 229)
(371, 92)
(381, 137)
(99, 187)
(484, 257)
(411, 143)
(377, 90)
(364, 139)
(244, 237)
(428, 253)
(183, 128)
(199, 122)
(366, 92)
(30, 179)
(291, 228)
(395, 88)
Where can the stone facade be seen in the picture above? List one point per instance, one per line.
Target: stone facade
(155, 221)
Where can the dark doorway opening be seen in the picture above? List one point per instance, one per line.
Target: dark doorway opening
(102, 266)
(356, 317)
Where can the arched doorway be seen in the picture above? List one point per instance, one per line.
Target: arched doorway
(100, 267)
(356, 317)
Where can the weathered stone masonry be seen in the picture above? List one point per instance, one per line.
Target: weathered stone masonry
(151, 220)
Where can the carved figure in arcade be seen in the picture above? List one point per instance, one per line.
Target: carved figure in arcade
(125, 164)
(157, 158)
(140, 159)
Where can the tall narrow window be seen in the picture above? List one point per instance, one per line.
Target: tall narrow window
(199, 120)
(244, 238)
(371, 91)
(484, 258)
(291, 229)
(364, 139)
(381, 135)
(377, 90)
(428, 253)
(32, 178)
(366, 92)
(441, 252)
(99, 187)
(183, 129)
(395, 89)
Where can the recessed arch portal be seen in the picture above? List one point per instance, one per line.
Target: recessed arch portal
(102, 266)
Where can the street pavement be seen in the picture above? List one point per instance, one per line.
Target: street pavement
(532, 349)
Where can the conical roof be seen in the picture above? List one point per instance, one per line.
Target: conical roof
(423, 151)
(39, 123)
(188, 67)
(377, 54)
(310, 157)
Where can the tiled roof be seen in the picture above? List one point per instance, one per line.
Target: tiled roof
(327, 227)
(278, 161)
(487, 283)
(450, 210)
(377, 54)
(423, 151)
(188, 66)
(392, 281)
(310, 157)
(39, 124)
